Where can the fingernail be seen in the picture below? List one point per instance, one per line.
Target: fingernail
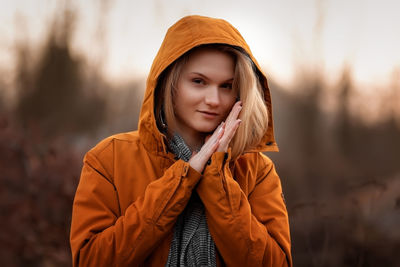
(240, 121)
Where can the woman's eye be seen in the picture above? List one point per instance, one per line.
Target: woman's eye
(227, 85)
(198, 81)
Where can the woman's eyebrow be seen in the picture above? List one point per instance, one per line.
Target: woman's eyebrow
(205, 77)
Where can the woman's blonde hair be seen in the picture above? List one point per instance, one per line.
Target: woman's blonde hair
(246, 83)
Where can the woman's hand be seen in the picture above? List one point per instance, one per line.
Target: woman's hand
(199, 159)
(231, 124)
(219, 140)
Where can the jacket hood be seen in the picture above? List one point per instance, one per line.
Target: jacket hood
(185, 34)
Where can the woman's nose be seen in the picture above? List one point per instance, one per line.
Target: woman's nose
(212, 96)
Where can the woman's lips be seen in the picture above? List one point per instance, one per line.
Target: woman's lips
(208, 114)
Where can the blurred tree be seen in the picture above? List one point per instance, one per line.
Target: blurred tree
(360, 144)
(344, 124)
(54, 96)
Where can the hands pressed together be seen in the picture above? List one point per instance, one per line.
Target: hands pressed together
(219, 140)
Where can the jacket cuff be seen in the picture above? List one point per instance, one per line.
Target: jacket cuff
(217, 161)
(189, 173)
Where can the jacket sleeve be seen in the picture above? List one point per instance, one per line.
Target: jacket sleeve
(102, 236)
(247, 230)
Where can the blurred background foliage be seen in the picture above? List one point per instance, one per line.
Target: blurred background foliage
(340, 172)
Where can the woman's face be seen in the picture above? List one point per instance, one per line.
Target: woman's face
(204, 94)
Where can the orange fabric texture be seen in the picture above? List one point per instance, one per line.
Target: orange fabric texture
(132, 190)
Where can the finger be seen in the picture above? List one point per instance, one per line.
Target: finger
(233, 115)
(205, 153)
(216, 135)
(211, 146)
(230, 115)
(231, 132)
(236, 109)
(228, 136)
(198, 160)
(212, 142)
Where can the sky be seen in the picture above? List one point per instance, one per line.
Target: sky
(323, 35)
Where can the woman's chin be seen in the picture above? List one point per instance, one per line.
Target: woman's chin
(209, 129)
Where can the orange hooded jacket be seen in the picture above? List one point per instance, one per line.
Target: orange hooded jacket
(132, 190)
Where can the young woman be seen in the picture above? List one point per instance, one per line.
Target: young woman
(191, 187)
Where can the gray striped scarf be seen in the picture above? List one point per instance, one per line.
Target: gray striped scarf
(192, 244)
